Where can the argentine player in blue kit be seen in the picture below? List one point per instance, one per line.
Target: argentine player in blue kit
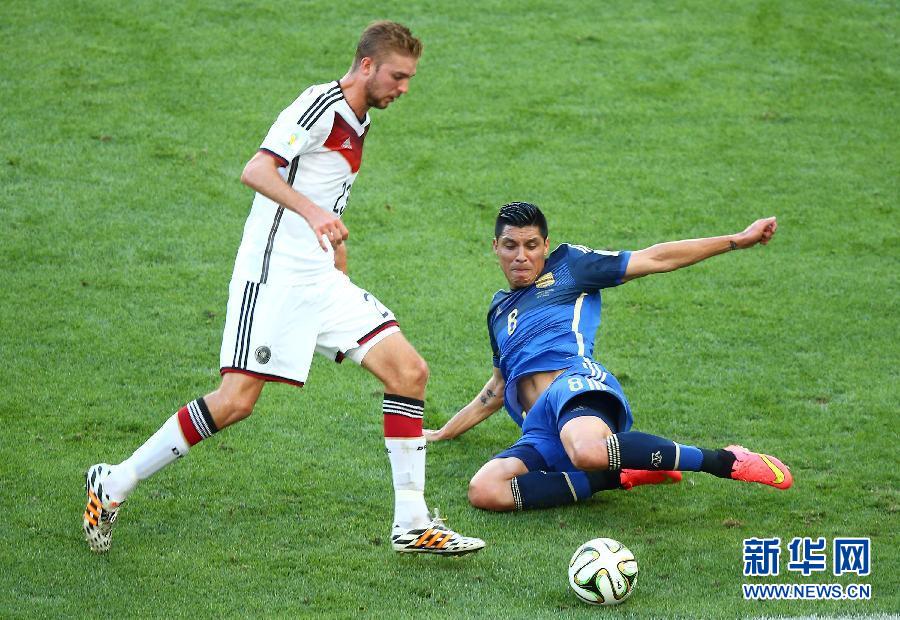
(575, 419)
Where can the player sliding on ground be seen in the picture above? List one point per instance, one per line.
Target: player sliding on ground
(576, 422)
(289, 297)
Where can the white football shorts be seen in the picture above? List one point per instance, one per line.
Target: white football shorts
(272, 331)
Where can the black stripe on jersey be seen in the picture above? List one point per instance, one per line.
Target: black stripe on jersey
(237, 339)
(335, 99)
(267, 255)
(249, 326)
(308, 112)
(315, 104)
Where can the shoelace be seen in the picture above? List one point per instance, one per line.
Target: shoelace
(436, 519)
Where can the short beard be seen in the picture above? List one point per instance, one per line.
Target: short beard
(372, 101)
(375, 103)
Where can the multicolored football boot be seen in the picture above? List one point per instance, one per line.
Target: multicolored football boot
(100, 513)
(434, 538)
(762, 468)
(631, 478)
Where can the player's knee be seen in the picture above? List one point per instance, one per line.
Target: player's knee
(235, 398)
(589, 455)
(417, 372)
(479, 496)
(227, 408)
(242, 407)
(484, 494)
(410, 378)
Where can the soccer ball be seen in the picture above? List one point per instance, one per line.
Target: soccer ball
(603, 572)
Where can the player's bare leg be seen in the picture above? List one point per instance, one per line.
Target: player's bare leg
(592, 447)
(398, 366)
(107, 485)
(235, 398)
(405, 375)
(584, 439)
(504, 484)
(490, 487)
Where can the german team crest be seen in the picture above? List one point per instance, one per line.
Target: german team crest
(263, 354)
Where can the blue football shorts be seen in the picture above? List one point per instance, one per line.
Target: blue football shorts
(593, 390)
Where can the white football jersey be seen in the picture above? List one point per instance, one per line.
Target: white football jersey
(318, 142)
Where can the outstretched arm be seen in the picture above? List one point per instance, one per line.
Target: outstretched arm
(674, 255)
(489, 400)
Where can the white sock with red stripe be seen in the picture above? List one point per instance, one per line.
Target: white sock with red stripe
(406, 450)
(192, 424)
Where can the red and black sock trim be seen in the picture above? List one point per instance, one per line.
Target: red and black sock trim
(196, 422)
(402, 416)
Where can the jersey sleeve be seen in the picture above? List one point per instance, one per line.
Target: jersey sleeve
(596, 269)
(495, 350)
(287, 138)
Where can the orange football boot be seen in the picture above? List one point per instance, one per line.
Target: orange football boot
(762, 468)
(631, 478)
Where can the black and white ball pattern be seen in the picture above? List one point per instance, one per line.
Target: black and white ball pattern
(603, 572)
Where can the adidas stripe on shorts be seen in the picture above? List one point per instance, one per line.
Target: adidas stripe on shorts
(272, 331)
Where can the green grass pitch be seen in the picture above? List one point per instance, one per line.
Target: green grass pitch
(124, 129)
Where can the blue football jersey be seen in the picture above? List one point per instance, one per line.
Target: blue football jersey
(551, 324)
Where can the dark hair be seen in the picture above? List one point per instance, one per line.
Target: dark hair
(381, 37)
(520, 215)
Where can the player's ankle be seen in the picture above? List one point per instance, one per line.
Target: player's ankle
(120, 482)
(717, 462)
(408, 517)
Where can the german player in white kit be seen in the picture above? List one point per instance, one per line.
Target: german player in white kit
(290, 297)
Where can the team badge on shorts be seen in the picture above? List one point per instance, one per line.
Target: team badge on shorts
(263, 354)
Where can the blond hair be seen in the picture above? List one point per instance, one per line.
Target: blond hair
(382, 37)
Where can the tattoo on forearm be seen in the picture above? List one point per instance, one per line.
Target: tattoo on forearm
(488, 395)
(732, 244)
